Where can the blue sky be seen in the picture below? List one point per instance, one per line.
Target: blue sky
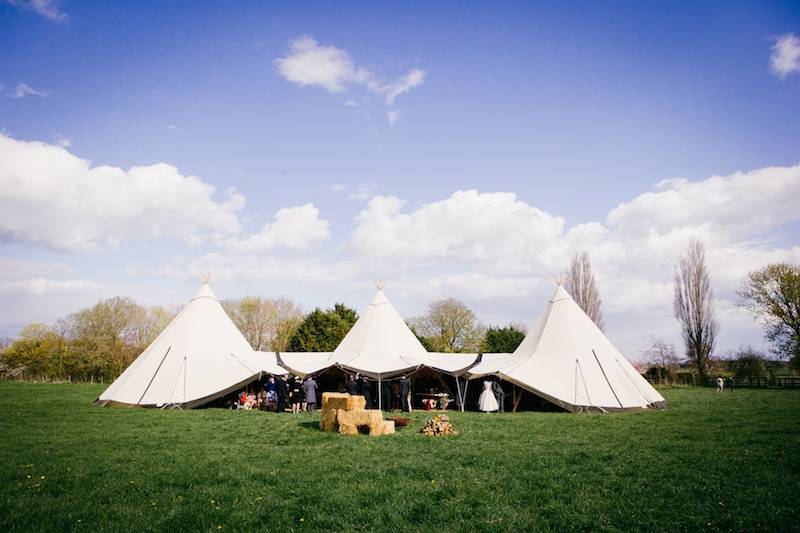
(576, 111)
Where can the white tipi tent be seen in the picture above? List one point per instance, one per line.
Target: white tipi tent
(379, 345)
(200, 356)
(567, 360)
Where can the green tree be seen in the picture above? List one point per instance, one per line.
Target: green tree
(322, 331)
(773, 294)
(36, 350)
(502, 340)
(749, 363)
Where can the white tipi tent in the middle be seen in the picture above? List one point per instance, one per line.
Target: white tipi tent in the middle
(379, 345)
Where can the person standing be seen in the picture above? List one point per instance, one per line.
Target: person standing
(295, 394)
(405, 393)
(280, 394)
(396, 403)
(351, 385)
(499, 394)
(310, 391)
(366, 392)
(386, 395)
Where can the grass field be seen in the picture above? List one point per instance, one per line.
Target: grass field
(726, 461)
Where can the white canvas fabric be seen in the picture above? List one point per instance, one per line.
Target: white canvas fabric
(567, 360)
(304, 363)
(199, 356)
(380, 343)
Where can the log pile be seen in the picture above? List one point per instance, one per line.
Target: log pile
(438, 426)
(346, 414)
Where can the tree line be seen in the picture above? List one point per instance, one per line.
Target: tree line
(98, 343)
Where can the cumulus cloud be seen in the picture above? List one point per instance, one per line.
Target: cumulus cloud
(55, 199)
(480, 246)
(50, 9)
(469, 226)
(333, 69)
(785, 58)
(294, 227)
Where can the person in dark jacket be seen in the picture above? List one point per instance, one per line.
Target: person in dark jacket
(366, 392)
(386, 395)
(310, 392)
(280, 393)
(405, 392)
(499, 394)
(351, 385)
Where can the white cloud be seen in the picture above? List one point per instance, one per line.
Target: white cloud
(50, 9)
(483, 246)
(41, 286)
(332, 68)
(742, 203)
(469, 226)
(294, 227)
(52, 198)
(413, 79)
(329, 67)
(785, 58)
(23, 89)
(364, 190)
(393, 116)
(337, 187)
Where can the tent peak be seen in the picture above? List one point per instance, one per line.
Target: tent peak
(205, 292)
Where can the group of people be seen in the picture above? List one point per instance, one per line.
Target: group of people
(278, 392)
(493, 397)
(394, 394)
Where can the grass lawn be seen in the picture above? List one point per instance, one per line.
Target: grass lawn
(726, 461)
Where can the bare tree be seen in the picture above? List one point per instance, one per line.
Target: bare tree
(581, 285)
(694, 307)
(449, 326)
(266, 324)
(661, 355)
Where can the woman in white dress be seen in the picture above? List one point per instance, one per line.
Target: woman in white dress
(487, 402)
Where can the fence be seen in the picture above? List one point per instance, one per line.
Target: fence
(790, 382)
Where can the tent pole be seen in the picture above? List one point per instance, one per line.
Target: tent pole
(466, 386)
(154, 376)
(380, 393)
(458, 394)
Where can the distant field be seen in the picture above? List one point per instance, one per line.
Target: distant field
(726, 461)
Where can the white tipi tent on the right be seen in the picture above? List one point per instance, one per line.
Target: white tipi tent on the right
(566, 359)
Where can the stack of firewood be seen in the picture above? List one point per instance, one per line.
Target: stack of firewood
(437, 426)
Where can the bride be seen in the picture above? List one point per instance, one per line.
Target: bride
(487, 402)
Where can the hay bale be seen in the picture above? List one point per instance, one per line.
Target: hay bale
(388, 427)
(349, 421)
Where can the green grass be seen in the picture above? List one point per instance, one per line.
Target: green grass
(726, 461)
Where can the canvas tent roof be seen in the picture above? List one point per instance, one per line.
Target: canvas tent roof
(380, 345)
(566, 359)
(199, 356)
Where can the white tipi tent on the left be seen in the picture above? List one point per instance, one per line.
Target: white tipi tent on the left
(200, 356)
